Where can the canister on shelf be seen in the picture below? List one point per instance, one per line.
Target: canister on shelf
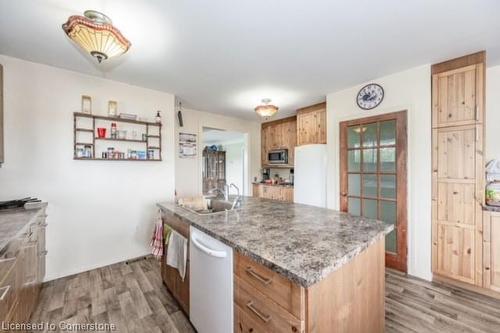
(151, 154)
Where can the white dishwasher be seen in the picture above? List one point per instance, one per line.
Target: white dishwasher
(210, 284)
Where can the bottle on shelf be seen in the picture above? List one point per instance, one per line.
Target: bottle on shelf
(113, 131)
(158, 117)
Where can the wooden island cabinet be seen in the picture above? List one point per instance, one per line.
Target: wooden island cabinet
(22, 270)
(178, 287)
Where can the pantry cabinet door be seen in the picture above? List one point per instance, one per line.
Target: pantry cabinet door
(455, 252)
(456, 92)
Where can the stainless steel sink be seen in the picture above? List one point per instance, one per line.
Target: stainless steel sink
(215, 206)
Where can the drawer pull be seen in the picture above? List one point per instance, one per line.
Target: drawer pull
(5, 292)
(43, 224)
(257, 276)
(44, 253)
(263, 317)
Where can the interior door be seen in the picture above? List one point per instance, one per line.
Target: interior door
(373, 177)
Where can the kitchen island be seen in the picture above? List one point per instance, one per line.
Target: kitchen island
(298, 268)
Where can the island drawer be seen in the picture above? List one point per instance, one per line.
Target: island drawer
(254, 312)
(284, 292)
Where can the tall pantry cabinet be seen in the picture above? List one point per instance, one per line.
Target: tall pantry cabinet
(458, 168)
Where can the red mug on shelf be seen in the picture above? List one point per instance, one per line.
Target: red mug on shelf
(101, 132)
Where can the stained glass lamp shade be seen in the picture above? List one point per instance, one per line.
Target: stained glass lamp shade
(95, 34)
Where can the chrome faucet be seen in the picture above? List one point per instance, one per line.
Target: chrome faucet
(225, 192)
(237, 199)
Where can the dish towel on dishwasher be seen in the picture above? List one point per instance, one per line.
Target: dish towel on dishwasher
(157, 239)
(177, 252)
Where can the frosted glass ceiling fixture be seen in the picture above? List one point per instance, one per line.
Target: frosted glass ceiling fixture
(266, 109)
(95, 33)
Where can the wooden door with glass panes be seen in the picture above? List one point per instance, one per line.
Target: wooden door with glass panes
(373, 177)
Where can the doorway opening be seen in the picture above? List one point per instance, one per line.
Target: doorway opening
(224, 161)
(373, 177)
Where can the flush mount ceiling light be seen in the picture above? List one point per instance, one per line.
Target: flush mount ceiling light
(266, 109)
(95, 33)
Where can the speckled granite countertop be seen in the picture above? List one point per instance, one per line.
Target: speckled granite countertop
(491, 208)
(13, 223)
(303, 243)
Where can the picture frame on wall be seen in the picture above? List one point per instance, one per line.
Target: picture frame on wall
(112, 108)
(86, 104)
(187, 145)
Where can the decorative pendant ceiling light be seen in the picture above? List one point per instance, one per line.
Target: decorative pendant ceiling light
(94, 33)
(266, 109)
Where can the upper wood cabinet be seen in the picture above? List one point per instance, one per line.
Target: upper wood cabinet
(311, 124)
(458, 169)
(279, 134)
(458, 96)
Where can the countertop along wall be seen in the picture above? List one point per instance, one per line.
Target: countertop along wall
(99, 212)
(188, 171)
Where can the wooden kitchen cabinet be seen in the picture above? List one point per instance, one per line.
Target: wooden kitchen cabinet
(22, 270)
(350, 299)
(178, 287)
(273, 192)
(491, 250)
(279, 134)
(458, 169)
(311, 124)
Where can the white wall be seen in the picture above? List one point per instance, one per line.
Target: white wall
(100, 212)
(409, 90)
(234, 164)
(188, 185)
(492, 113)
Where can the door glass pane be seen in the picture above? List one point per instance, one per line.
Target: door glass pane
(354, 206)
(387, 159)
(370, 208)
(354, 185)
(388, 133)
(388, 186)
(369, 160)
(388, 212)
(369, 135)
(391, 242)
(353, 161)
(353, 137)
(370, 186)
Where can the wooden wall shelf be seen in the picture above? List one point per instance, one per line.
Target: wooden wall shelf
(147, 126)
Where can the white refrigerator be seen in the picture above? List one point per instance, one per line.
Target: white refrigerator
(310, 175)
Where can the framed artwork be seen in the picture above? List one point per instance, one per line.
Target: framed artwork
(112, 108)
(86, 104)
(187, 145)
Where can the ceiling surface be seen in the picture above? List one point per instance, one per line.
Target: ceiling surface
(214, 136)
(224, 56)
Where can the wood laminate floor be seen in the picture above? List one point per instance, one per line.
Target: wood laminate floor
(133, 297)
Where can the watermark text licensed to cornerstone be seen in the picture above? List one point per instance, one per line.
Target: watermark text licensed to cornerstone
(61, 326)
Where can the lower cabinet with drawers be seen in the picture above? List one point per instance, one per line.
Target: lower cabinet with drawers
(350, 299)
(22, 270)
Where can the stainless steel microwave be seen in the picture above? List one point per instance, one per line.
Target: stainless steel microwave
(278, 156)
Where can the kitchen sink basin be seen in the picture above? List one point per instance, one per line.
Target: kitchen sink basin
(215, 206)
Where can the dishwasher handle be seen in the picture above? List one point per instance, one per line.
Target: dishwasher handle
(206, 249)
